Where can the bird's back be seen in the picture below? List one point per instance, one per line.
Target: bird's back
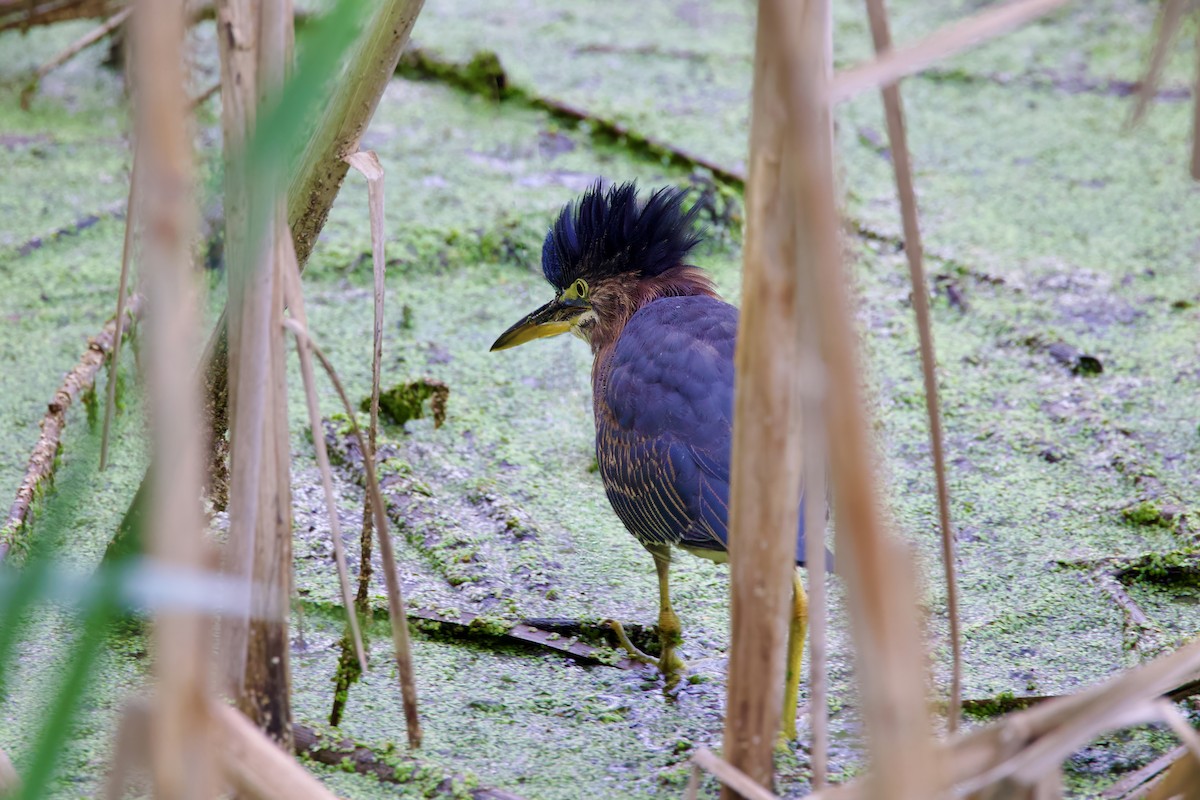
(664, 414)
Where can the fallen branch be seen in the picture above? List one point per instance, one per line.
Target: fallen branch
(42, 460)
(527, 631)
(345, 754)
(72, 50)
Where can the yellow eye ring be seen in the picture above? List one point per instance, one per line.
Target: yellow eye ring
(580, 288)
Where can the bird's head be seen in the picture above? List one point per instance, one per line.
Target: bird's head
(606, 256)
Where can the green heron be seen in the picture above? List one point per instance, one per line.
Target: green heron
(662, 386)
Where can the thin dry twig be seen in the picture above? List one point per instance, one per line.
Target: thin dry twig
(110, 400)
(914, 252)
(295, 302)
(943, 43)
(730, 776)
(72, 50)
(40, 470)
(256, 766)
(1169, 18)
(180, 742)
(396, 610)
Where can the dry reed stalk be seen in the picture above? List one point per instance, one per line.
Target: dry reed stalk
(879, 573)
(323, 164)
(110, 400)
(367, 163)
(943, 43)
(396, 611)
(815, 509)
(730, 776)
(766, 467)
(266, 691)
(248, 304)
(1169, 18)
(256, 766)
(180, 738)
(914, 253)
(295, 302)
(40, 470)
(72, 50)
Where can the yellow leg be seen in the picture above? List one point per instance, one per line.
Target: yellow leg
(797, 632)
(669, 629)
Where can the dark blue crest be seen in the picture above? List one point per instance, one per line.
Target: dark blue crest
(606, 233)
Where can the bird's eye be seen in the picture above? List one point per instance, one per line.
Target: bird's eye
(580, 288)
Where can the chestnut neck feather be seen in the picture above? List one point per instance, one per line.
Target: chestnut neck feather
(615, 300)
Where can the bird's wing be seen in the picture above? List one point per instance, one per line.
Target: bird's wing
(665, 432)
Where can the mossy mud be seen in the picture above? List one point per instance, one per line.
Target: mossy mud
(1044, 225)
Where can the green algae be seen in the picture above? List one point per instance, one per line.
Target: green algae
(406, 401)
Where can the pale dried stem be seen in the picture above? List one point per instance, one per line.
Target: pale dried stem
(367, 163)
(256, 766)
(72, 50)
(248, 320)
(766, 468)
(943, 43)
(730, 776)
(914, 253)
(180, 740)
(396, 610)
(295, 304)
(266, 691)
(879, 573)
(110, 401)
(1169, 18)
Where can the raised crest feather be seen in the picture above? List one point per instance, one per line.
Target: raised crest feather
(606, 233)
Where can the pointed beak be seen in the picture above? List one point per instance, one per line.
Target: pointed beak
(557, 316)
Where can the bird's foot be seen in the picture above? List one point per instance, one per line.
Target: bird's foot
(670, 665)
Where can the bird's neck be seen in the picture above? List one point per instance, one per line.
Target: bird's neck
(615, 311)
